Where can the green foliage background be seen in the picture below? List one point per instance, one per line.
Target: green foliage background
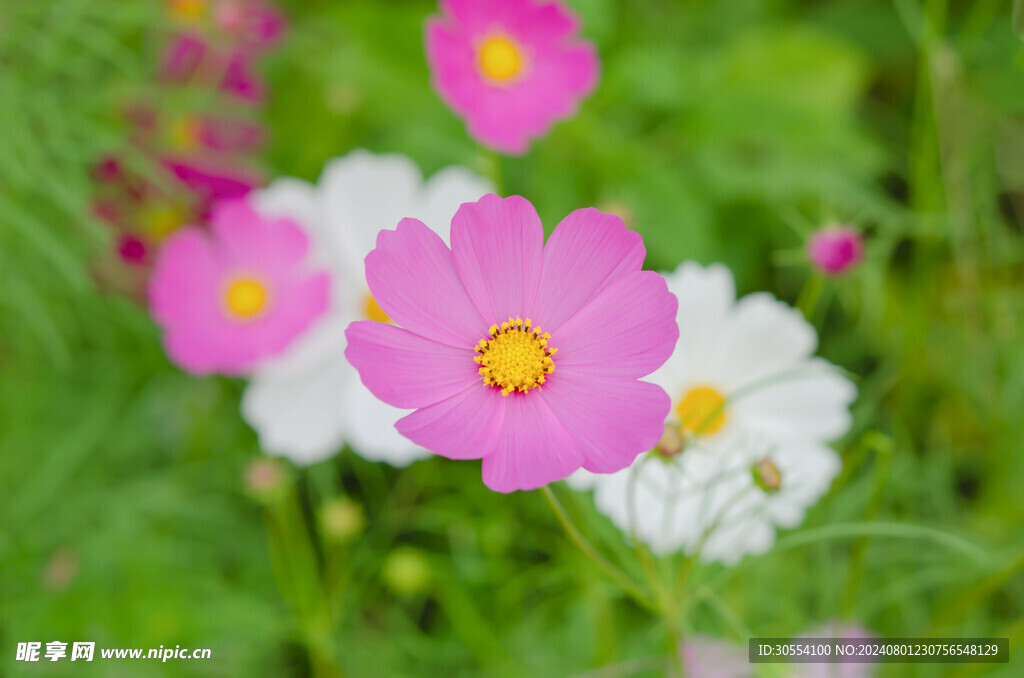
(728, 129)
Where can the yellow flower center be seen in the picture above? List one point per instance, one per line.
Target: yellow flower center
(702, 411)
(188, 9)
(162, 219)
(375, 312)
(500, 59)
(246, 297)
(515, 356)
(184, 132)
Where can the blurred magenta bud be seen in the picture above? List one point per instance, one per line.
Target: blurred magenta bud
(834, 250)
(133, 250)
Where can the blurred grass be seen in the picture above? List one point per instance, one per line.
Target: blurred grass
(725, 129)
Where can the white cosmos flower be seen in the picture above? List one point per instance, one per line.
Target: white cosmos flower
(309, 401)
(746, 390)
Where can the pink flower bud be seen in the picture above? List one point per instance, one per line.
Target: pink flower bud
(834, 250)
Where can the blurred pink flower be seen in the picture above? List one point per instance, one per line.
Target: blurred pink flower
(240, 294)
(706, 657)
(210, 183)
(473, 350)
(191, 58)
(254, 23)
(840, 632)
(205, 157)
(511, 68)
(834, 250)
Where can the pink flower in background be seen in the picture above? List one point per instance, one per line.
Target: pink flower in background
(240, 294)
(210, 183)
(252, 22)
(841, 632)
(511, 68)
(203, 157)
(834, 250)
(706, 657)
(218, 43)
(525, 355)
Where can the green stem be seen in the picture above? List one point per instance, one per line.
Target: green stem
(298, 576)
(809, 297)
(882, 447)
(588, 549)
(668, 607)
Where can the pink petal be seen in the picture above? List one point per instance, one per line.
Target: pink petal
(240, 79)
(466, 426)
(497, 245)
(507, 118)
(587, 252)
(612, 420)
(250, 239)
(545, 23)
(183, 298)
(627, 331)
(182, 57)
(413, 278)
(230, 135)
(294, 306)
(210, 183)
(559, 72)
(406, 370)
(533, 450)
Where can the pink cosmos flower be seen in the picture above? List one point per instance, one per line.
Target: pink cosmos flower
(511, 68)
(834, 250)
(525, 355)
(706, 657)
(210, 183)
(240, 294)
(841, 632)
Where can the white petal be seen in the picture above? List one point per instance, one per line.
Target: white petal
(299, 415)
(706, 295)
(364, 194)
(762, 337)
(582, 480)
(371, 431)
(289, 198)
(445, 193)
(810, 400)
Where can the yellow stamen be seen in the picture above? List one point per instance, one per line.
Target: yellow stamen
(702, 411)
(246, 297)
(515, 356)
(162, 219)
(188, 9)
(500, 59)
(375, 312)
(184, 132)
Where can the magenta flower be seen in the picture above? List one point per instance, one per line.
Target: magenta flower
(525, 355)
(242, 293)
(511, 68)
(209, 183)
(834, 250)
